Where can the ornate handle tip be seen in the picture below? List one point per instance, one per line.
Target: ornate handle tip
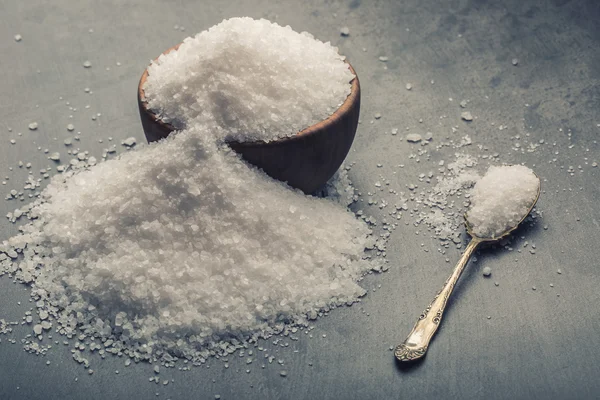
(405, 353)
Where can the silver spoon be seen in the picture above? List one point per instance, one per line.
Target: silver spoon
(416, 344)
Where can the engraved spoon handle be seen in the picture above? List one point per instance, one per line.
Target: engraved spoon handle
(415, 345)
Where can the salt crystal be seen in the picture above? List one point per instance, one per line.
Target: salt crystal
(18, 38)
(413, 137)
(129, 142)
(487, 271)
(345, 31)
(87, 64)
(466, 115)
(37, 329)
(33, 126)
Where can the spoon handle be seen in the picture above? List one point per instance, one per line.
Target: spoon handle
(417, 342)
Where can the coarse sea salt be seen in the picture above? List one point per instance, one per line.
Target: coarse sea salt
(183, 252)
(501, 199)
(249, 80)
(180, 248)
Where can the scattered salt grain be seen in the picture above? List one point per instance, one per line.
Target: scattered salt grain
(33, 126)
(487, 271)
(87, 64)
(18, 38)
(70, 127)
(383, 59)
(408, 86)
(129, 142)
(345, 31)
(37, 329)
(501, 199)
(515, 62)
(467, 116)
(413, 137)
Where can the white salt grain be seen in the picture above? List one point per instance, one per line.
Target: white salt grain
(467, 116)
(501, 199)
(129, 142)
(413, 137)
(37, 329)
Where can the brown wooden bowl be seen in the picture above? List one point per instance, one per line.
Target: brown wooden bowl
(305, 161)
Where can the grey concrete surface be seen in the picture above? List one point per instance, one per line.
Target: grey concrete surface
(535, 345)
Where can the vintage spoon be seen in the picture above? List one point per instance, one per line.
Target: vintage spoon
(416, 344)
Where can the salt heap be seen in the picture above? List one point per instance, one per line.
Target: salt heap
(180, 247)
(248, 80)
(501, 199)
(198, 246)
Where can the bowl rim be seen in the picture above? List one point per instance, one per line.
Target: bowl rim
(342, 110)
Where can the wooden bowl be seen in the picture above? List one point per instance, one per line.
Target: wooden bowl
(305, 161)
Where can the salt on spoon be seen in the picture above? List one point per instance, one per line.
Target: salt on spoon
(501, 200)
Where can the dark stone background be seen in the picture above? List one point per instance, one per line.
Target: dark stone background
(536, 345)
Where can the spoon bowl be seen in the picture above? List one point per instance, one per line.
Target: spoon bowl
(416, 344)
(508, 230)
(305, 160)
